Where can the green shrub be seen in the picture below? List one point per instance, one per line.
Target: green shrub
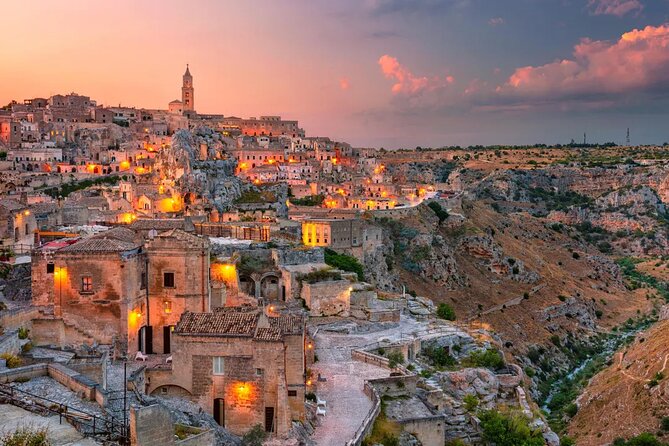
(571, 410)
(567, 441)
(311, 200)
(439, 356)
(490, 358)
(24, 436)
(27, 347)
(310, 396)
(395, 358)
(471, 402)
(321, 275)
(255, 437)
(13, 361)
(508, 430)
(446, 312)
(441, 213)
(344, 262)
(664, 423)
(23, 333)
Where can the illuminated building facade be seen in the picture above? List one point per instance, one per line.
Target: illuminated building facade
(244, 366)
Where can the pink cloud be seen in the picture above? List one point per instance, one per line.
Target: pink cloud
(614, 7)
(344, 83)
(637, 62)
(406, 83)
(495, 21)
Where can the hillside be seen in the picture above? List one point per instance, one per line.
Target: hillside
(626, 398)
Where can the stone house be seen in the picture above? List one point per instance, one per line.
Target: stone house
(242, 365)
(18, 225)
(115, 288)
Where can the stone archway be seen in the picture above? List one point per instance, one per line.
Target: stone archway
(247, 285)
(270, 286)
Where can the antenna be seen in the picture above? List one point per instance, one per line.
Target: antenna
(628, 136)
(584, 139)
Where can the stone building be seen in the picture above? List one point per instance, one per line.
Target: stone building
(114, 288)
(178, 281)
(18, 225)
(242, 365)
(90, 290)
(333, 233)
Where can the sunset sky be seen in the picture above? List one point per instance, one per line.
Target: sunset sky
(388, 73)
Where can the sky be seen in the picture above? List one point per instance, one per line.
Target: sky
(377, 73)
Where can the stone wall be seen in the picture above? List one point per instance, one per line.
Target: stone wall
(151, 426)
(10, 342)
(298, 256)
(327, 298)
(19, 317)
(429, 430)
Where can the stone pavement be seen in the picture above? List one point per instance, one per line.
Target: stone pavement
(12, 417)
(347, 404)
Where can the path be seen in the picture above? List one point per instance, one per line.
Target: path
(12, 417)
(347, 404)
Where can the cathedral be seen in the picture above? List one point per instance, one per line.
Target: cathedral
(187, 103)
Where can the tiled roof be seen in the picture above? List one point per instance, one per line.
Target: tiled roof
(184, 236)
(11, 205)
(228, 323)
(99, 245)
(159, 224)
(115, 240)
(240, 321)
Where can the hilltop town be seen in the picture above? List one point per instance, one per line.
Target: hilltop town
(171, 277)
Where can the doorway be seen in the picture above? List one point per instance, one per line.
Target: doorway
(219, 411)
(269, 419)
(167, 338)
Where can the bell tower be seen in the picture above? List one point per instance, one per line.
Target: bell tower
(187, 91)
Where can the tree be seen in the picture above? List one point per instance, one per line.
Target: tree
(446, 312)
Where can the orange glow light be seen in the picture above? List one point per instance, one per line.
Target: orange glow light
(125, 165)
(26, 213)
(308, 382)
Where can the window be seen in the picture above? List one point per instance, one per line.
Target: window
(260, 372)
(50, 268)
(292, 393)
(219, 365)
(87, 284)
(168, 280)
(142, 281)
(167, 306)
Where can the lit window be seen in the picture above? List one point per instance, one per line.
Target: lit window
(87, 283)
(168, 306)
(219, 365)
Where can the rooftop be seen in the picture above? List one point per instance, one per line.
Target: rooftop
(240, 321)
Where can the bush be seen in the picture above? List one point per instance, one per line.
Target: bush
(23, 333)
(344, 262)
(395, 358)
(24, 436)
(438, 210)
(446, 312)
(27, 347)
(439, 356)
(491, 359)
(310, 396)
(571, 410)
(13, 361)
(567, 441)
(311, 200)
(255, 436)
(471, 402)
(321, 275)
(664, 424)
(509, 430)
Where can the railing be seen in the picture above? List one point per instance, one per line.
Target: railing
(87, 423)
(249, 231)
(7, 251)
